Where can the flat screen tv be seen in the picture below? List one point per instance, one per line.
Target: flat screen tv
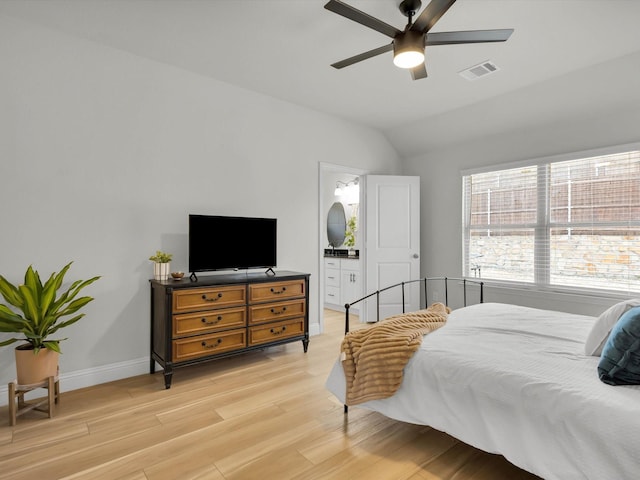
(227, 243)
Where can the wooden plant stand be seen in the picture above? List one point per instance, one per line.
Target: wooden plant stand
(45, 405)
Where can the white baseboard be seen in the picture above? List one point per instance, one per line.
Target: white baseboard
(314, 329)
(106, 373)
(91, 376)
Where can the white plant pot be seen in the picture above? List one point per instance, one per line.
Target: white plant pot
(161, 271)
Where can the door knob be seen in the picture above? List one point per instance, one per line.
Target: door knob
(415, 255)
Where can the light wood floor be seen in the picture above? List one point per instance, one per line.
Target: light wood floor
(264, 415)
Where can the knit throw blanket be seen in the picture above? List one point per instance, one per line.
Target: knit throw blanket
(374, 358)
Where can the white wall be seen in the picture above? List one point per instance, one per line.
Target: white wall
(441, 190)
(103, 156)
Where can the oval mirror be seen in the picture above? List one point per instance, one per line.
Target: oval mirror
(336, 225)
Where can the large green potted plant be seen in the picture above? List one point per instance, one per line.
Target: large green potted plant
(35, 311)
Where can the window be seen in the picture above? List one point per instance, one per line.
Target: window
(573, 223)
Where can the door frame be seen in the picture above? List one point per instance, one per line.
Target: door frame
(325, 168)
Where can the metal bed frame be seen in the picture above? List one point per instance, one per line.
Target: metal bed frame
(425, 281)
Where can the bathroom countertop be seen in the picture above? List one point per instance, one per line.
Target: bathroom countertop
(340, 253)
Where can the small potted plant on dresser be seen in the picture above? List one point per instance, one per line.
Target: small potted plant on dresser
(37, 314)
(161, 265)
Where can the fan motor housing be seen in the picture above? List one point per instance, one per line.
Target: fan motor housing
(408, 41)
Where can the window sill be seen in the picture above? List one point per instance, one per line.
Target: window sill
(588, 295)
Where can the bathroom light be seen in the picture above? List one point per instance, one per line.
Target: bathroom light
(408, 49)
(352, 193)
(349, 190)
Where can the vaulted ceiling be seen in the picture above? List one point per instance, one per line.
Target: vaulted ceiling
(577, 56)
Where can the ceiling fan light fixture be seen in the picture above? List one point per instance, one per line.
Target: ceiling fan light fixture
(408, 49)
(408, 59)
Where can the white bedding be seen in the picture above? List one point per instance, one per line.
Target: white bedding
(515, 381)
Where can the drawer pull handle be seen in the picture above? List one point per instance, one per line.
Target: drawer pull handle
(212, 322)
(211, 345)
(278, 332)
(214, 299)
(278, 292)
(275, 312)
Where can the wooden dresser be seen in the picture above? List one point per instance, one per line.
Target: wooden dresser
(226, 314)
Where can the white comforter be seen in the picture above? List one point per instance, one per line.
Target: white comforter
(515, 381)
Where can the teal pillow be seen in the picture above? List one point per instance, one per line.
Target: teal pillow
(620, 359)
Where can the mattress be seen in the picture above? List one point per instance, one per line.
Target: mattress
(515, 381)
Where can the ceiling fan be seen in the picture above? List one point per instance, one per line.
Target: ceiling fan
(408, 45)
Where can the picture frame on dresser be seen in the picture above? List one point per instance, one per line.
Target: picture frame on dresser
(218, 316)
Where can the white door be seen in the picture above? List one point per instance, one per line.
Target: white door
(392, 226)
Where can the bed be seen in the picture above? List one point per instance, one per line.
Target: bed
(516, 381)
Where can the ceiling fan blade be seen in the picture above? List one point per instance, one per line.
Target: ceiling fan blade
(419, 72)
(336, 6)
(363, 56)
(431, 14)
(471, 36)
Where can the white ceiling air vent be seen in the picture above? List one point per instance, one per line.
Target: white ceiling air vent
(481, 70)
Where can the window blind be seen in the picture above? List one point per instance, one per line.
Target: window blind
(594, 222)
(502, 218)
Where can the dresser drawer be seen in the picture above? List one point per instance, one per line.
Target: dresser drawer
(266, 292)
(276, 311)
(272, 332)
(204, 345)
(206, 298)
(196, 323)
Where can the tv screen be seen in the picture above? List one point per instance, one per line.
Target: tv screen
(222, 243)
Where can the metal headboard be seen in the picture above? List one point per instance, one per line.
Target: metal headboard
(425, 281)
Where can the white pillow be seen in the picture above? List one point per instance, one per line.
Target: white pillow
(601, 329)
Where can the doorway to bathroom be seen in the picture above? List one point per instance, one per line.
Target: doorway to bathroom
(342, 253)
